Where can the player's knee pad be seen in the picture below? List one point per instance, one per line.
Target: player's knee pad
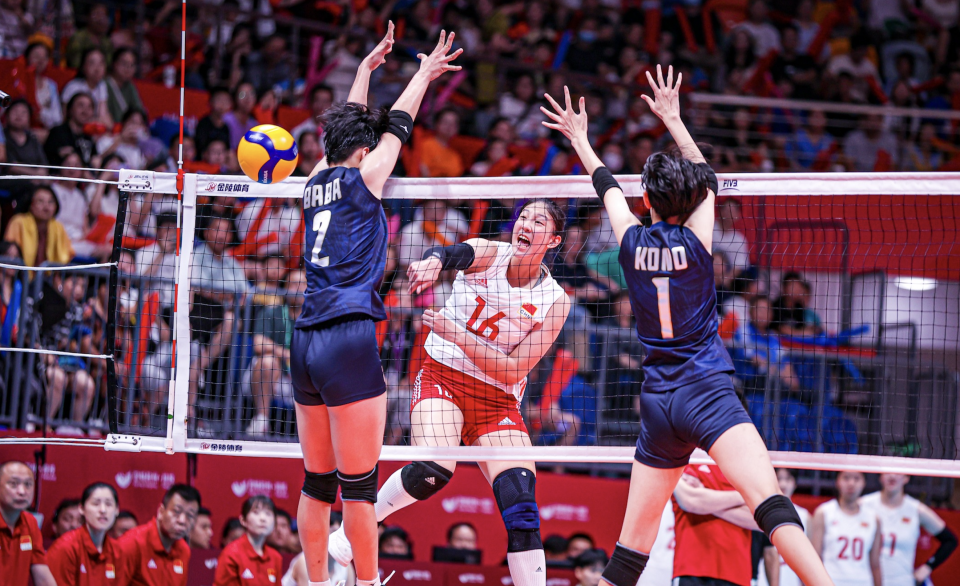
(776, 512)
(625, 566)
(422, 480)
(515, 490)
(359, 487)
(321, 487)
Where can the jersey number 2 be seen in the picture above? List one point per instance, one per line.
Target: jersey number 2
(321, 221)
(663, 304)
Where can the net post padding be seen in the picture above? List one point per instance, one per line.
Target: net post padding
(113, 404)
(179, 395)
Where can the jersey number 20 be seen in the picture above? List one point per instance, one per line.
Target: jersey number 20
(663, 304)
(321, 221)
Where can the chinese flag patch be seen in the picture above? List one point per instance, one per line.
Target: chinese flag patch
(528, 310)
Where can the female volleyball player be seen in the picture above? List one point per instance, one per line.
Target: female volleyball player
(848, 535)
(688, 398)
(901, 517)
(504, 314)
(335, 366)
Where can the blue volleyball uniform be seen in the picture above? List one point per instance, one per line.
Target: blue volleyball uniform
(688, 399)
(334, 354)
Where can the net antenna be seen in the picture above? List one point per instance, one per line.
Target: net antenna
(927, 198)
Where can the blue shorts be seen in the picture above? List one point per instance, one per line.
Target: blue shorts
(674, 423)
(336, 363)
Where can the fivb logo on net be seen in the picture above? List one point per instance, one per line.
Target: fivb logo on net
(256, 487)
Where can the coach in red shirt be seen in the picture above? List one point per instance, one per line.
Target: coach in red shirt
(713, 528)
(21, 546)
(155, 553)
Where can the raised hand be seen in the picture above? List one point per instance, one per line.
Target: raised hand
(572, 124)
(423, 273)
(378, 56)
(438, 61)
(665, 102)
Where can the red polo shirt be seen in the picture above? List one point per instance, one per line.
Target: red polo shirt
(709, 547)
(240, 565)
(20, 548)
(75, 561)
(147, 563)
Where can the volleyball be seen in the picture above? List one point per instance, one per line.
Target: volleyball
(267, 154)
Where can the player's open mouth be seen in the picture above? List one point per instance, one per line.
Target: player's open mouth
(523, 242)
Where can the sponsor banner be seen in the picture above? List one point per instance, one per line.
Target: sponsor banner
(226, 482)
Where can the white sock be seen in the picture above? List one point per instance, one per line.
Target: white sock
(392, 497)
(324, 583)
(368, 582)
(528, 568)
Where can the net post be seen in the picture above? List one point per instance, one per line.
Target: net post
(111, 333)
(180, 383)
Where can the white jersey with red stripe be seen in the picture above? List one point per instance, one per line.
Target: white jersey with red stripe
(847, 540)
(787, 576)
(901, 532)
(659, 570)
(495, 314)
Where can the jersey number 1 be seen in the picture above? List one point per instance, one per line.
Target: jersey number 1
(663, 304)
(321, 221)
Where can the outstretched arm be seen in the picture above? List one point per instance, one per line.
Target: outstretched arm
(376, 58)
(423, 273)
(377, 166)
(573, 125)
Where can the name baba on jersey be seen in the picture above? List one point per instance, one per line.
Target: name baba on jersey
(321, 194)
(660, 259)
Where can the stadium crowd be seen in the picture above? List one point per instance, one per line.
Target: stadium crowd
(485, 123)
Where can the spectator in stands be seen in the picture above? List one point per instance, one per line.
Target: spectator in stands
(39, 235)
(126, 144)
(792, 315)
(271, 66)
(321, 98)
(215, 156)
(712, 529)
(723, 277)
(248, 559)
(794, 71)
(122, 94)
(434, 225)
(88, 552)
(757, 354)
(47, 91)
(857, 64)
(213, 126)
(72, 134)
(520, 108)
(22, 147)
(155, 553)
(923, 154)
(268, 377)
(77, 213)
(310, 151)
(20, 540)
(66, 517)
(462, 535)
(93, 36)
(640, 149)
(16, 25)
(727, 238)
(241, 119)
(282, 534)
(91, 80)
(735, 309)
(765, 36)
(588, 567)
(232, 531)
(395, 544)
(124, 522)
(437, 158)
(599, 231)
(278, 220)
(555, 551)
(870, 147)
(270, 275)
(201, 536)
(578, 544)
(809, 148)
(11, 290)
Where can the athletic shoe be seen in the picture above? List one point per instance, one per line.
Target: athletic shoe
(259, 425)
(338, 546)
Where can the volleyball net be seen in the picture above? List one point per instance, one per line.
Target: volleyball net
(837, 301)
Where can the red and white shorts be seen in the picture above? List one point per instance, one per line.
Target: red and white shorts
(486, 409)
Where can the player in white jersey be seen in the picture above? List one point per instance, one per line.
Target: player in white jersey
(659, 570)
(773, 571)
(901, 517)
(848, 535)
(504, 314)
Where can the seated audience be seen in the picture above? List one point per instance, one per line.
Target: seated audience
(39, 235)
(201, 536)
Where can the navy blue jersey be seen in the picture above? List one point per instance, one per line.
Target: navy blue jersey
(669, 277)
(346, 248)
